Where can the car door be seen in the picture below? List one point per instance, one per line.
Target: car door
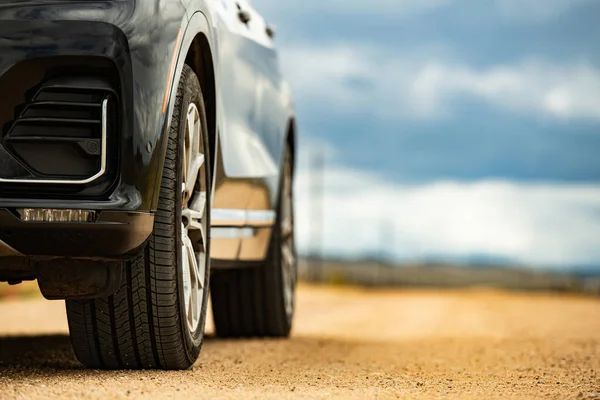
(249, 74)
(237, 87)
(272, 113)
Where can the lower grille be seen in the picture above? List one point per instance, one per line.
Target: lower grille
(60, 136)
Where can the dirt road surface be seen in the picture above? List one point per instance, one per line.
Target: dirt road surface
(347, 343)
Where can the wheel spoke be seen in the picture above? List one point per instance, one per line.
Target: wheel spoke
(193, 265)
(185, 265)
(200, 276)
(193, 159)
(194, 218)
(198, 203)
(192, 259)
(192, 299)
(196, 162)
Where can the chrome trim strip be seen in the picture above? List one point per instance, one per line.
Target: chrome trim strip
(6, 250)
(227, 214)
(260, 216)
(75, 182)
(231, 232)
(242, 218)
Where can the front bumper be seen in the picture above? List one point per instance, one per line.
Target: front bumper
(125, 43)
(114, 235)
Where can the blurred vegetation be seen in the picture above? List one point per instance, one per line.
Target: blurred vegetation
(25, 289)
(371, 273)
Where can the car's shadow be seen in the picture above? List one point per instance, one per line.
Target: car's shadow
(19, 354)
(38, 352)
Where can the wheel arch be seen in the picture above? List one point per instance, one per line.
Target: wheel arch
(200, 58)
(195, 48)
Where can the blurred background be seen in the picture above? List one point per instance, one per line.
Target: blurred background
(443, 144)
(444, 133)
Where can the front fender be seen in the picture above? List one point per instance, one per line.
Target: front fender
(198, 24)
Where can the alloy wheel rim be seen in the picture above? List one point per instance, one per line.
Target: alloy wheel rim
(193, 218)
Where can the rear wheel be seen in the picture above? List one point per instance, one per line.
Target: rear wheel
(156, 318)
(259, 301)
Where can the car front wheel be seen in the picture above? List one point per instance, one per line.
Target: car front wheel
(156, 318)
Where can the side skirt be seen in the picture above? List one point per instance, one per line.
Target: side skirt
(240, 238)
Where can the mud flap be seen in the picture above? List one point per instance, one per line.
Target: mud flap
(72, 279)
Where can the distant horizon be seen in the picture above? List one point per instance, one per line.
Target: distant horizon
(580, 270)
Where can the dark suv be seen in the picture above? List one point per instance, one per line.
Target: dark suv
(141, 143)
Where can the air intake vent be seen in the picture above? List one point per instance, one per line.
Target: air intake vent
(60, 135)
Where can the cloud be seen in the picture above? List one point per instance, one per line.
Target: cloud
(536, 10)
(516, 10)
(550, 225)
(566, 92)
(344, 7)
(383, 83)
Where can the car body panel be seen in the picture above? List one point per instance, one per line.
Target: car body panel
(53, 28)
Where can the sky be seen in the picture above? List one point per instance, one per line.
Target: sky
(464, 130)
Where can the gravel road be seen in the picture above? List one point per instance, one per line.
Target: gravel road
(347, 343)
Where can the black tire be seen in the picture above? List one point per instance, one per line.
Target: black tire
(143, 325)
(250, 302)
